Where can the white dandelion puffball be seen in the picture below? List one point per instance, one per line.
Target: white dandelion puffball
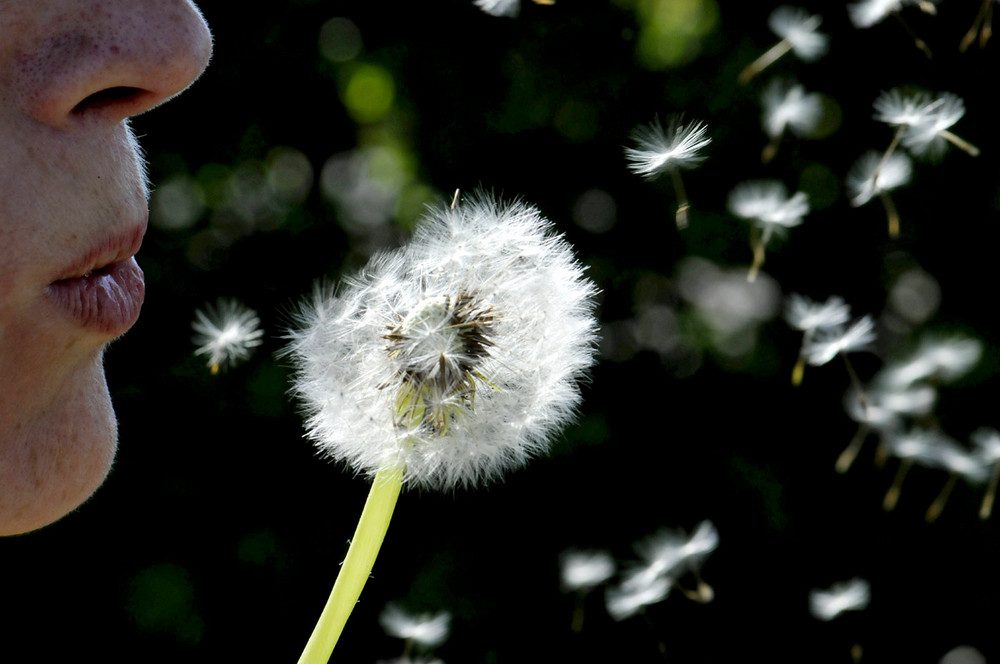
(456, 357)
(227, 332)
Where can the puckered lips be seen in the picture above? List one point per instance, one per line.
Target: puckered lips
(103, 290)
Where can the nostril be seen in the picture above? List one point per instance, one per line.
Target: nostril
(109, 97)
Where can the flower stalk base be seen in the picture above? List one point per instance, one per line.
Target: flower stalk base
(365, 545)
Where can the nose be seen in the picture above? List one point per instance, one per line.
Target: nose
(111, 59)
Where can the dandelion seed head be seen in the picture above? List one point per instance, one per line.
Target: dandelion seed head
(986, 443)
(583, 570)
(767, 203)
(942, 358)
(508, 8)
(670, 552)
(917, 444)
(873, 174)
(867, 13)
(850, 595)
(901, 109)
(456, 357)
(805, 315)
(660, 150)
(950, 456)
(799, 28)
(227, 332)
(828, 344)
(790, 106)
(923, 135)
(636, 592)
(427, 630)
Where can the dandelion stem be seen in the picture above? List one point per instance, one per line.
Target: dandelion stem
(959, 142)
(917, 41)
(356, 567)
(771, 149)
(888, 153)
(862, 395)
(891, 213)
(800, 364)
(991, 491)
(757, 244)
(799, 370)
(881, 453)
(576, 624)
(764, 61)
(682, 202)
(934, 511)
(850, 453)
(892, 495)
(982, 20)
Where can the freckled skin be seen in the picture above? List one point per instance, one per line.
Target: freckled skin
(70, 177)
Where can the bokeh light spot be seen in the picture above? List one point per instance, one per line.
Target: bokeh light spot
(672, 30)
(369, 93)
(339, 40)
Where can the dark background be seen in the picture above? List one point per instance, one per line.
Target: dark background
(218, 534)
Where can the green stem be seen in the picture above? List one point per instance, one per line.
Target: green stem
(357, 566)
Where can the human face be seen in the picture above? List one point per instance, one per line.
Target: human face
(73, 209)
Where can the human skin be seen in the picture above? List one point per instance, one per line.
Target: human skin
(73, 198)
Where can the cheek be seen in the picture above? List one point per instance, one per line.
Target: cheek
(56, 452)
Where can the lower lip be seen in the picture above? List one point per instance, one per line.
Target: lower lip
(107, 301)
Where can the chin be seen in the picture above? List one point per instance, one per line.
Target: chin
(54, 457)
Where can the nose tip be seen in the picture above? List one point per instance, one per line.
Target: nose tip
(112, 59)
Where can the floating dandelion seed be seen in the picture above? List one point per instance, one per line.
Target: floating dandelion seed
(867, 13)
(833, 342)
(937, 358)
(922, 123)
(426, 631)
(669, 151)
(931, 132)
(227, 332)
(850, 595)
(634, 594)
(508, 8)
(883, 409)
(797, 29)
(986, 443)
(874, 175)
(672, 554)
(809, 317)
(788, 106)
(443, 364)
(770, 211)
(828, 343)
(581, 571)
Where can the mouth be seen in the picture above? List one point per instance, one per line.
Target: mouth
(103, 291)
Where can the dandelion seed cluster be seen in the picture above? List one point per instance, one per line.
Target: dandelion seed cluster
(455, 357)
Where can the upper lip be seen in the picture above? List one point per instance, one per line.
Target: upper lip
(112, 248)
